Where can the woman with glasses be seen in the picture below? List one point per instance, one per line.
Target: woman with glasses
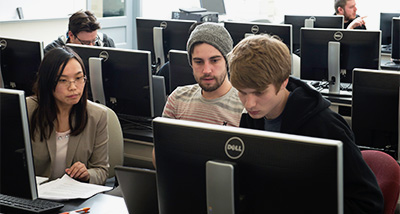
(69, 133)
(83, 30)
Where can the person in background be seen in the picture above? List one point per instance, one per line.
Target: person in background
(69, 133)
(348, 9)
(82, 29)
(212, 99)
(260, 66)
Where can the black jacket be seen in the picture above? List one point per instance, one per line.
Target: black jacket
(105, 41)
(307, 113)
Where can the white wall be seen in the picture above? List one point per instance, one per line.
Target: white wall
(274, 10)
(42, 27)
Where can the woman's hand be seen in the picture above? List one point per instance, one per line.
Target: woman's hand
(78, 171)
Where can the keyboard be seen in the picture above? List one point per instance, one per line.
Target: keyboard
(31, 206)
(386, 48)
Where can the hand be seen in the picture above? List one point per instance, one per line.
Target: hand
(78, 171)
(357, 22)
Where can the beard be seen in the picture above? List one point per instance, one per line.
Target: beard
(208, 87)
(348, 16)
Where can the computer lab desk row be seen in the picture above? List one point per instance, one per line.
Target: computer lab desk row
(138, 143)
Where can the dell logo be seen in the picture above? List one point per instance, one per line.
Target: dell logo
(255, 29)
(103, 55)
(234, 148)
(3, 44)
(338, 36)
(163, 24)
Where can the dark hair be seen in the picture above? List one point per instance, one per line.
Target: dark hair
(83, 21)
(45, 114)
(339, 3)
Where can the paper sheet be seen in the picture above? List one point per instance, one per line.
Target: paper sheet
(67, 188)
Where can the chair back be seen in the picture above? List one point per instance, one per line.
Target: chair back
(387, 173)
(115, 142)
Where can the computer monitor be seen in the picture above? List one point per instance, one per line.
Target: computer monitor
(214, 6)
(207, 168)
(17, 172)
(239, 30)
(375, 110)
(159, 36)
(119, 78)
(19, 63)
(180, 72)
(386, 27)
(332, 54)
(396, 40)
(299, 21)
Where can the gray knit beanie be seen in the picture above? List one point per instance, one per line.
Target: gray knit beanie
(213, 34)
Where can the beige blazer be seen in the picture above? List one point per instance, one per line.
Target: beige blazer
(90, 147)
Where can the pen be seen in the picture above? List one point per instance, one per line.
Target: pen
(83, 210)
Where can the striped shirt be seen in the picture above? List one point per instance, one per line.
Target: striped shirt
(187, 103)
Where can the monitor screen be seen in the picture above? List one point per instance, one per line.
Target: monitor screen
(358, 49)
(119, 78)
(214, 6)
(239, 30)
(396, 40)
(265, 171)
(375, 110)
(175, 34)
(180, 72)
(298, 21)
(386, 27)
(17, 174)
(19, 63)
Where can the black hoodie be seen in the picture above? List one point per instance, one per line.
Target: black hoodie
(307, 113)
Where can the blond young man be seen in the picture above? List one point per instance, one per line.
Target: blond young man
(260, 70)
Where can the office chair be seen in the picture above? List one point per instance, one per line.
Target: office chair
(387, 172)
(115, 142)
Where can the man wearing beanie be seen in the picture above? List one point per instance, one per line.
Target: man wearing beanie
(212, 99)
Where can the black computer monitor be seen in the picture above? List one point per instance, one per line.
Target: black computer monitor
(386, 27)
(299, 21)
(375, 110)
(394, 63)
(396, 40)
(239, 30)
(180, 72)
(17, 172)
(207, 168)
(119, 78)
(214, 6)
(332, 54)
(159, 36)
(19, 63)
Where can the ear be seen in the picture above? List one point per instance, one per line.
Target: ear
(70, 34)
(284, 84)
(341, 11)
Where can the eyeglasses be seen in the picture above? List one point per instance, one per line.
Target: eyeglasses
(85, 42)
(79, 81)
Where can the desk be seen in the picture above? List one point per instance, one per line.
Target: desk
(138, 146)
(99, 204)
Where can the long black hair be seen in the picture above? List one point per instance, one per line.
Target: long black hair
(50, 71)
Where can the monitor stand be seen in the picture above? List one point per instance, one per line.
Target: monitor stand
(96, 79)
(158, 45)
(220, 187)
(1, 74)
(334, 67)
(309, 23)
